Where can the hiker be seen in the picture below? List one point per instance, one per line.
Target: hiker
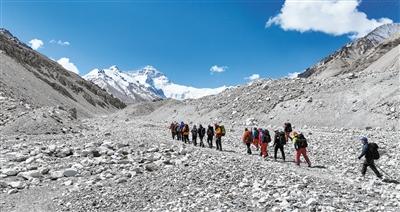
(247, 139)
(202, 133)
(172, 127)
(370, 151)
(300, 144)
(181, 126)
(210, 135)
(265, 139)
(185, 133)
(279, 143)
(255, 138)
(194, 135)
(288, 129)
(218, 136)
(178, 132)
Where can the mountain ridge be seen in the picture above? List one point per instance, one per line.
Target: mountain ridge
(146, 84)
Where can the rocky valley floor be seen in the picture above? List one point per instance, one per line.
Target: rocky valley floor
(134, 165)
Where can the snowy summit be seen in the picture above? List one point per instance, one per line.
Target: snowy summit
(145, 84)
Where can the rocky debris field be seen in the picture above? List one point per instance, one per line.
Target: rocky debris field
(352, 100)
(134, 165)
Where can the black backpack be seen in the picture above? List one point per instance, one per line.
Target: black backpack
(373, 151)
(266, 138)
(210, 131)
(281, 138)
(301, 141)
(202, 132)
(288, 127)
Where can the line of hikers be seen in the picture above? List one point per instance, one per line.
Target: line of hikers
(181, 132)
(260, 138)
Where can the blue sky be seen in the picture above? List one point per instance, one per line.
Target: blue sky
(185, 39)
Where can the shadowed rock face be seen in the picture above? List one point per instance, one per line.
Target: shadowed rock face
(35, 79)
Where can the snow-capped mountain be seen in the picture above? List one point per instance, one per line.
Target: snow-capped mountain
(355, 55)
(144, 85)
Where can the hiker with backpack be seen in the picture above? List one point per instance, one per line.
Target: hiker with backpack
(255, 138)
(288, 129)
(185, 133)
(194, 135)
(300, 144)
(370, 151)
(247, 139)
(279, 143)
(172, 127)
(202, 133)
(179, 132)
(264, 138)
(219, 132)
(210, 135)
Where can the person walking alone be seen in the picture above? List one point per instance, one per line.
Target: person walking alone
(369, 151)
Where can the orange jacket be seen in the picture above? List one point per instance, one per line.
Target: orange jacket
(218, 132)
(246, 137)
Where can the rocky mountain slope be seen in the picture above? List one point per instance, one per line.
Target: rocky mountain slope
(357, 55)
(144, 85)
(33, 81)
(363, 98)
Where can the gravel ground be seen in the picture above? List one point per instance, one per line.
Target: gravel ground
(134, 165)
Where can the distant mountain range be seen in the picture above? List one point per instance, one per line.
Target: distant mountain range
(146, 84)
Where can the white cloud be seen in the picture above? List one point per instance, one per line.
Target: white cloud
(64, 62)
(333, 17)
(218, 69)
(293, 75)
(253, 77)
(36, 43)
(60, 42)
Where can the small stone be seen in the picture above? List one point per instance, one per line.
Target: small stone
(54, 175)
(70, 172)
(68, 183)
(10, 172)
(311, 202)
(150, 167)
(16, 184)
(12, 191)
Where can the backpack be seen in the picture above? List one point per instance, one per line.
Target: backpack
(194, 131)
(202, 132)
(280, 137)
(255, 134)
(210, 131)
(373, 151)
(301, 141)
(288, 127)
(266, 138)
(222, 130)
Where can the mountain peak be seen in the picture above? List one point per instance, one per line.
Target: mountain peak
(114, 68)
(150, 71)
(383, 32)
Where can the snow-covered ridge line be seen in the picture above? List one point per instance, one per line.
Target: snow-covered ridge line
(146, 84)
